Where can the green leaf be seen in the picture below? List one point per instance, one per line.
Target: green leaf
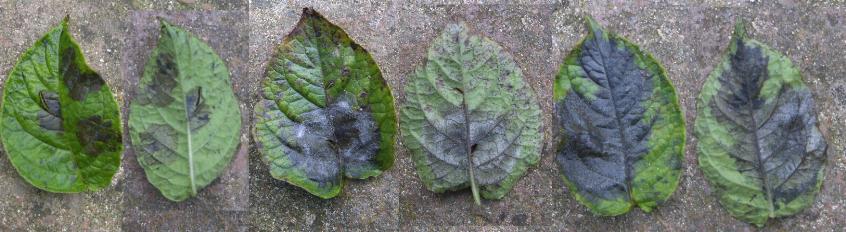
(184, 120)
(758, 139)
(622, 132)
(469, 118)
(60, 123)
(325, 110)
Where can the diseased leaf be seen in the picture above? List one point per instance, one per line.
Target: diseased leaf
(325, 113)
(469, 118)
(758, 139)
(622, 132)
(60, 123)
(184, 120)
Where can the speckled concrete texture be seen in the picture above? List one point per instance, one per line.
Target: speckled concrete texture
(687, 37)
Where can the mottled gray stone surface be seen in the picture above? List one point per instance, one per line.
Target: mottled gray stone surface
(687, 37)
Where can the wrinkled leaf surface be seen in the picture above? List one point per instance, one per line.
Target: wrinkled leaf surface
(469, 118)
(325, 113)
(60, 125)
(621, 130)
(184, 120)
(757, 129)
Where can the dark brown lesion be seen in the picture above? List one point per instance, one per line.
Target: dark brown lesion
(97, 136)
(158, 91)
(51, 116)
(196, 108)
(80, 82)
(345, 127)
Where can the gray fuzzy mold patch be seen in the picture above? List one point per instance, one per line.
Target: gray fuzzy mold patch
(329, 141)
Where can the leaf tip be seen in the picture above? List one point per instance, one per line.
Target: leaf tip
(454, 31)
(740, 29)
(65, 22)
(311, 13)
(593, 25)
(458, 26)
(162, 22)
(307, 11)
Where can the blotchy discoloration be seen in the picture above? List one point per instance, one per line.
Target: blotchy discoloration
(331, 141)
(50, 103)
(196, 109)
(687, 37)
(158, 91)
(606, 133)
(622, 131)
(80, 82)
(159, 146)
(470, 120)
(326, 112)
(355, 136)
(51, 117)
(185, 121)
(762, 118)
(97, 136)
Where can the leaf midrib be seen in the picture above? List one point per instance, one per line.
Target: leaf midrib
(190, 153)
(623, 137)
(314, 41)
(464, 110)
(761, 167)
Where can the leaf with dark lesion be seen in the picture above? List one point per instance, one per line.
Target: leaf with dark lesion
(470, 120)
(355, 135)
(184, 120)
(196, 108)
(159, 146)
(326, 112)
(79, 81)
(331, 143)
(620, 124)
(96, 136)
(51, 116)
(54, 102)
(157, 91)
(755, 112)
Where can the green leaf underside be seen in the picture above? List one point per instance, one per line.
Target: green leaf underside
(622, 131)
(469, 102)
(60, 123)
(758, 139)
(184, 120)
(325, 113)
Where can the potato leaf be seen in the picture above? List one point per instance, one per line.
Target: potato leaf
(758, 139)
(622, 132)
(325, 112)
(184, 120)
(60, 123)
(469, 118)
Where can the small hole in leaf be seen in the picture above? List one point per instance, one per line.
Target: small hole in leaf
(473, 147)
